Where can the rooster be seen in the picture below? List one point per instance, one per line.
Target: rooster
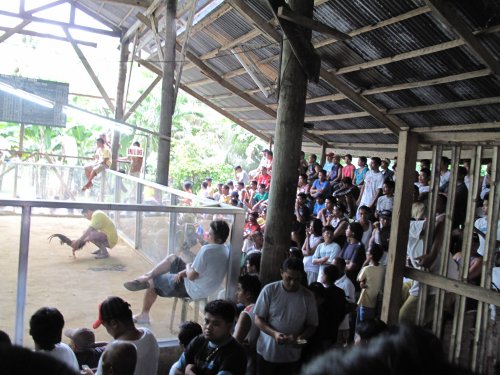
(65, 240)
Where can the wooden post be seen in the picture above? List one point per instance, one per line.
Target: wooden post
(287, 146)
(401, 215)
(323, 156)
(167, 95)
(119, 105)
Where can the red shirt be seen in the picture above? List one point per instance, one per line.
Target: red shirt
(264, 179)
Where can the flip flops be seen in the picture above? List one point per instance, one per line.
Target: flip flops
(136, 285)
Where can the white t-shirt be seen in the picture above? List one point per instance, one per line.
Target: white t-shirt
(385, 203)
(373, 182)
(288, 313)
(331, 250)
(350, 293)
(63, 353)
(308, 266)
(482, 225)
(242, 177)
(211, 264)
(148, 354)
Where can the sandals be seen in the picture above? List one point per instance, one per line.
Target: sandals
(136, 285)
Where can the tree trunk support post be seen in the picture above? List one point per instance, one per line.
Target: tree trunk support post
(323, 155)
(167, 94)
(119, 105)
(287, 146)
(401, 215)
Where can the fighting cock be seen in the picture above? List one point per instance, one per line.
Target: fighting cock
(65, 240)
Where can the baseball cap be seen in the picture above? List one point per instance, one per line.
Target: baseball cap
(386, 214)
(386, 160)
(82, 337)
(112, 308)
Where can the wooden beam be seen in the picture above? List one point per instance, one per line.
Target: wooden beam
(285, 13)
(486, 138)
(137, 24)
(446, 13)
(342, 116)
(238, 41)
(49, 36)
(460, 127)
(351, 131)
(96, 16)
(45, 7)
(444, 106)
(253, 18)
(375, 146)
(401, 214)
(90, 71)
(141, 98)
(14, 30)
(130, 3)
(206, 21)
(454, 286)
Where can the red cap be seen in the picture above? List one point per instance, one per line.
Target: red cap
(98, 322)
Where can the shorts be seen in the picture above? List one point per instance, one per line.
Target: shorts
(98, 168)
(165, 285)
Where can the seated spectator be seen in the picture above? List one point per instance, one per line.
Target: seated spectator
(327, 167)
(425, 163)
(365, 214)
(335, 175)
(242, 194)
(218, 192)
(301, 219)
(260, 197)
(353, 251)
(251, 189)
(173, 278)
(313, 239)
(187, 332)
(264, 178)
(120, 358)
(461, 194)
(225, 196)
(251, 226)
(16, 360)
(101, 162)
(347, 194)
(252, 263)
(246, 332)
(371, 281)
(319, 204)
(87, 351)
(359, 173)
(215, 351)
(349, 168)
(326, 214)
(257, 243)
(485, 184)
(269, 162)
(46, 326)
(311, 168)
(303, 186)
(4, 339)
(320, 185)
(263, 161)
(367, 330)
(203, 193)
(344, 283)
(318, 342)
(335, 303)
(115, 315)
(302, 163)
(326, 251)
(386, 201)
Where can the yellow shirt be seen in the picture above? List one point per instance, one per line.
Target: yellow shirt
(103, 153)
(101, 222)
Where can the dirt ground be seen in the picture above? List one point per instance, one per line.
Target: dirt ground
(75, 286)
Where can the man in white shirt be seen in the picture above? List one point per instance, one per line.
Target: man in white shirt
(173, 278)
(372, 186)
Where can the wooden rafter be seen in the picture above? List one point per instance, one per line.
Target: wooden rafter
(137, 24)
(476, 138)
(14, 30)
(351, 131)
(49, 36)
(445, 11)
(458, 127)
(90, 71)
(131, 3)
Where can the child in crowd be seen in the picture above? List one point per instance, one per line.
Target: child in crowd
(371, 281)
(313, 239)
(319, 204)
(87, 351)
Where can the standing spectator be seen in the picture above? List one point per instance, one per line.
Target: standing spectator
(203, 193)
(313, 239)
(336, 301)
(326, 251)
(353, 251)
(444, 173)
(311, 168)
(286, 314)
(371, 281)
(264, 178)
(260, 197)
(302, 216)
(335, 174)
(218, 192)
(423, 181)
(225, 196)
(359, 173)
(215, 351)
(210, 188)
(364, 219)
(386, 201)
(269, 162)
(246, 332)
(381, 233)
(344, 283)
(46, 326)
(302, 163)
(372, 187)
(384, 169)
(327, 167)
(135, 157)
(241, 175)
(349, 168)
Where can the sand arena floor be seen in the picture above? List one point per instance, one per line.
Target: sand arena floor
(74, 285)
